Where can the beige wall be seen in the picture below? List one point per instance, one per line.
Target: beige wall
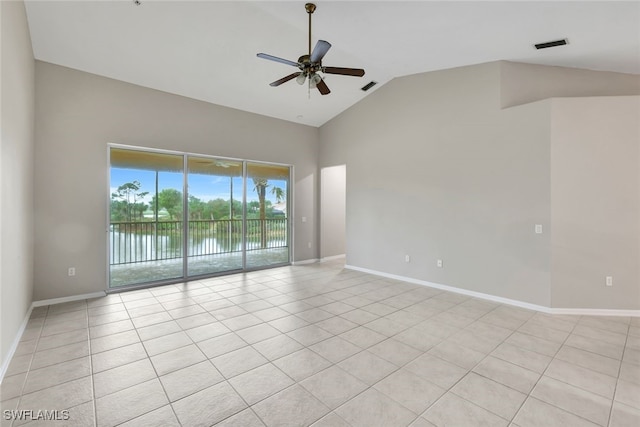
(437, 169)
(595, 202)
(78, 113)
(333, 181)
(524, 83)
(16, 172)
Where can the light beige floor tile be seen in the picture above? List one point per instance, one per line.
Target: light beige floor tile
(333, 386)
(367, 367)
(195, 321)
(534, 328)
(138, 312)
(60, 354)
(359, 316)
(309, 335)
(624, 416)
(19, 364)
(338, 307)
(186, 381)
(628, 394)
(166, 343)
(116, 379)
(452, 410)
(522, 357)
(291, 407)
(38, 379)
(475, 342)
(631, 356)
(331, 420)
(538, 345)
(508, 374)
(158, 330)
(179, 358)
(258, 333)
(586, 359)
(241, 322)
(601, 348)
(335, 349)
(58, 340)
(579, 402)
(109, 342)
(314, 315)
(535, 413)
(209, 406)
(204, 332)
(218, 346)
(600, 335)
(456, 354)
(11, 386)
(161, 417)
(490, 395)
(417, 339)
(411, 391)
(302, 364)
(436, 370)
(108, 318)
(61, 396)
(288, 323)
(395, 352)
(583, 378)
(130, 403)
(117, 357)
(260, 383)
(271, 313)
(277, 347)
(386, 327)
(246, 418)
(374, 409)
(336, 325)
(629, 372)
(238, 361)
(151, 319)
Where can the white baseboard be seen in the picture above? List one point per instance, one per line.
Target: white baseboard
(68, 299)
(305, 261)
(333, 257)
(25, 321)
(14, 344)
(494, 298)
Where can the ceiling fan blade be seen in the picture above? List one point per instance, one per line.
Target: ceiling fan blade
(321, 49)
(276, 59)
(323, 88)
(357, 72)
(284, 79)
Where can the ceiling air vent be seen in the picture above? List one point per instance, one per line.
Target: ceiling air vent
(554, 43)
(368, 86)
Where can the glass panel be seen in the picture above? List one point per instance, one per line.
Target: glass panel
(215, 215)
(267, 228)
(145, 231)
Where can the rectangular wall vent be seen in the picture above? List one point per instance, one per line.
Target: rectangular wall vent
(368, 86)
(551, 44)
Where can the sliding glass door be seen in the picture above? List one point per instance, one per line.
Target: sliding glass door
(175, 216)
(215, 215)
(267, 226)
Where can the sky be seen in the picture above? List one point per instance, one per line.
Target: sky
(204, 187)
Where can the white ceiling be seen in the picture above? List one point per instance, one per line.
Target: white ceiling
(207, 49)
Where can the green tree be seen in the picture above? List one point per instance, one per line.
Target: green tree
(171, 200)
(129, 195)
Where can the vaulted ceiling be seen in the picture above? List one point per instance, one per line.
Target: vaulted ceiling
(207, 49)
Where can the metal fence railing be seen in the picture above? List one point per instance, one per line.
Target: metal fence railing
(132, 242)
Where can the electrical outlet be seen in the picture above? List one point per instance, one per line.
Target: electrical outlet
(538, 229)
(71, 271)
(609, 281)
(407, 258)
(309, 245)
(304, 219)
(439, 263)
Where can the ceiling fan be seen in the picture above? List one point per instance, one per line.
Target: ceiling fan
(310, 65)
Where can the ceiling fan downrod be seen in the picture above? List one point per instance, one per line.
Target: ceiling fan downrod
(310, 8)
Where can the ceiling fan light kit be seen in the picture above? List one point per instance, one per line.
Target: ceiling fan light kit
(310, 65)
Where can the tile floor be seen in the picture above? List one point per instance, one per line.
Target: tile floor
(323, 346)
